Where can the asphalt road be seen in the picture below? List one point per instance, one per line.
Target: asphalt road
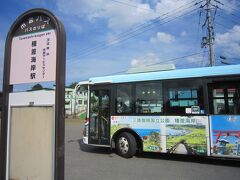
(90, 163)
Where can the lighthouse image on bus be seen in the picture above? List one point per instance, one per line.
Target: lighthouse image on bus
(226, 136)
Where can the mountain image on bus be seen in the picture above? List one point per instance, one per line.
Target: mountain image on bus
(178, 111)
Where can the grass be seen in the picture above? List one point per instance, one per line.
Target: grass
(78, 119)
(73, 121)
(196, 139)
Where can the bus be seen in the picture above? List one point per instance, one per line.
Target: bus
(184, 111)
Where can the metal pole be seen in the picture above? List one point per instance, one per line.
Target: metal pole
(75, 98)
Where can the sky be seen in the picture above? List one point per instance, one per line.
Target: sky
(106, 37)
(226, 123)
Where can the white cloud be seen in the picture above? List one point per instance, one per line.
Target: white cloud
(149, 59)
(199, 60)
(84, 69)
(183, 33)
(229, 42)
(162, 37)
(153, 59)
(112, 39)
(120, 16)
(77, 28)
(166, 6)
(230, 5)
(195, 60)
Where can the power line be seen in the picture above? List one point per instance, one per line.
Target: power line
(233, 21)
(131, 35)
(196, 40)
(230, 7)
(164, 61)
(203, 58)
(194, 62)
(235, 15)
(225, 5)
(130, 5)
(177, 58)
(138, 28)
(225, 26)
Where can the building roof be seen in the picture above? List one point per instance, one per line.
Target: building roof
(172, 74)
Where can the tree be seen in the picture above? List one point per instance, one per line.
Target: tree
(154, 136)
(37, 87)
(72, 85)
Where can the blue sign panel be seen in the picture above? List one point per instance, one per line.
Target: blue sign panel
(225, 135)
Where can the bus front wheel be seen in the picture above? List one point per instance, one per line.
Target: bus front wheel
(126, 145)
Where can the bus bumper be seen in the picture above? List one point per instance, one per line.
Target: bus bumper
(85, 140)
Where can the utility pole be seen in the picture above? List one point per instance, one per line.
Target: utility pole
(210, 33)
(209, 41)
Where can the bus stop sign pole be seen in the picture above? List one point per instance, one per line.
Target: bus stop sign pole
(35, 52)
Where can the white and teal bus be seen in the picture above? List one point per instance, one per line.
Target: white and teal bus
(186, 111)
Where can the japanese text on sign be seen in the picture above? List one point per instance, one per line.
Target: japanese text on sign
(37, 53)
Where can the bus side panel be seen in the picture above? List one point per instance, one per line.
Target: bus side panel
(225, 135)
(168, 134)
(188, 135)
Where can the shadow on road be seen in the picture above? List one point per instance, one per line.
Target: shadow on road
(94, 149)
(163, 156)
(191, 158)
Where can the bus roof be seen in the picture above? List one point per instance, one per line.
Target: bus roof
(171, 74)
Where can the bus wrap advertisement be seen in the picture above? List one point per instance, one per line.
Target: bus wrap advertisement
(225, 135)
(168, 134)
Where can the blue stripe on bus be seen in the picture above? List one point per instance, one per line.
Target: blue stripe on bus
(171, 74)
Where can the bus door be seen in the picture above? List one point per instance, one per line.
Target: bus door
(99, 125)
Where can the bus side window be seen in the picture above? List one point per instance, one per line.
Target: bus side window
(124, 98)
(183, 97)
(226, 100)
(233, 100)
(218, 101)
(149, 98)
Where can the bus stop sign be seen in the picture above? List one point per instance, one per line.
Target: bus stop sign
(35, 52)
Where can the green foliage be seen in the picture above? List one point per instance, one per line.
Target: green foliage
(152, 142)
(37, 87)
(195, 139)
(72, 85)
(154, 136)
(229, 149)
(83, 116)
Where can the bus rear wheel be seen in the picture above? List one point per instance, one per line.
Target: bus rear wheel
(126, 145)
